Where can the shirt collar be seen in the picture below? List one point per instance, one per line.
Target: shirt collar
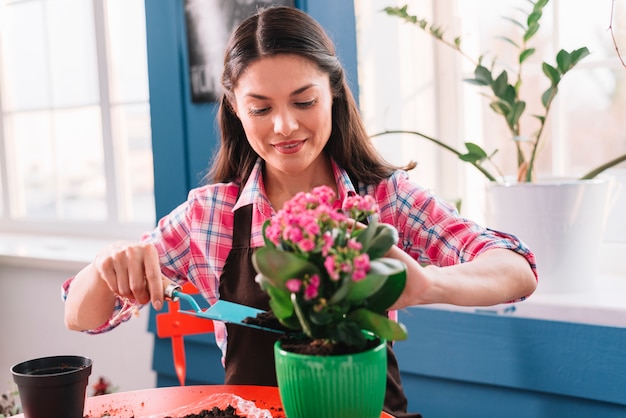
(253, 192)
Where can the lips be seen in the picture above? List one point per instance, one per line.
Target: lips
(289, 147)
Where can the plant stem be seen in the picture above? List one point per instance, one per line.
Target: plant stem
(593, 173)
(441, 144)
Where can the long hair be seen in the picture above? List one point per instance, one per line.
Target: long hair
(286, 30)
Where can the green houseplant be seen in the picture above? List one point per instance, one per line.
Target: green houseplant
(556, 217)
(329, 281)
(502, 86)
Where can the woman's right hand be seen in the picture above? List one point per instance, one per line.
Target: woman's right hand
(127, 269)
(131, 270)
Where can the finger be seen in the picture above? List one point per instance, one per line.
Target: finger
(110, 265)
(138, 256)
(154, 277)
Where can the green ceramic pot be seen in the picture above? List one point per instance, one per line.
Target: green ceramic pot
(347, 386)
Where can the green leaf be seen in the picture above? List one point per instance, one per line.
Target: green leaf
(515, 22)
(391, 289)
(280, 303)
(474, 153)
(578, 54)
(501, 107)
(548, 95)
(380, 325)
(321, 317)
(342, 291)
(516, 113)
(350, 333)
(523, 56)
(508, 40)
(381, 270)
(567, 60)
(533, 27)
(377, 239)
(483, 75)
(552, 73)
(279, 266)
(500, 85)
(563, 61)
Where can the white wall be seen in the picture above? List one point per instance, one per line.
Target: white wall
(31, 326)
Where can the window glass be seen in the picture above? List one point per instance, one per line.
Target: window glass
(127, 40)
(410, 81)
(72, 53)
(131, 128)
(59, 164)
(75, 118)
(583, 127)
(25, 79)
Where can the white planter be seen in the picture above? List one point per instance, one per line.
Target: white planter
(562, 221)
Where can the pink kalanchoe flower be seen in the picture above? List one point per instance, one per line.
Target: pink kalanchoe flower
(357, 203)
(312, 289)
(358, 275)
(306, 245)
(293, 285)
(329, 264)
(327, 244)
(325, 194)
(273, 232)
(354, 245)
(361, 267)
(362, 262)
(293, 234)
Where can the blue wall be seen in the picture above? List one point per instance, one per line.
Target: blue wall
(454, 364)
(458, 364)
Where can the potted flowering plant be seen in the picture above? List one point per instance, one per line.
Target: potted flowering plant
(326, 276)
(328, 279)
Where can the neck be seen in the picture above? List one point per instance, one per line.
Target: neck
(280, 187)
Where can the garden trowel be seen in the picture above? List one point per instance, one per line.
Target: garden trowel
(222, 310)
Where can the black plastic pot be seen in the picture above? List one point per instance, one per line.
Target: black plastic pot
(53, 387)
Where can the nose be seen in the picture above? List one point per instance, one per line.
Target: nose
(285, 123)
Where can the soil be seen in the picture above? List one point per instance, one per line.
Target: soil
(215, 412)
(266, 320)
(301, 344)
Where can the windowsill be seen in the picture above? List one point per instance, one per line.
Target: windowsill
(46, 252)
(604, 305)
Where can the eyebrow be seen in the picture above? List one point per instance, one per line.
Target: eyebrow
(294, 93)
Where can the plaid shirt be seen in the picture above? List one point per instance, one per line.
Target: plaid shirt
(194, 240)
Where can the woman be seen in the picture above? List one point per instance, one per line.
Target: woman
(289, 123)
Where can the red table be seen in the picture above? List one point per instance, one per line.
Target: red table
(160, 402)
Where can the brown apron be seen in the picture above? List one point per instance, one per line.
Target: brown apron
(250, 352)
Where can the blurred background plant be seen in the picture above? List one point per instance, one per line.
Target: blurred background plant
(10, 403)
(501, 84)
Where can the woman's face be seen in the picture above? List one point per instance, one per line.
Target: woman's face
(284, 103)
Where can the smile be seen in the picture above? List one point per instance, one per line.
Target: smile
(289, 147)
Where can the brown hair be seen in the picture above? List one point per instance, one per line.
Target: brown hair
(286, 30)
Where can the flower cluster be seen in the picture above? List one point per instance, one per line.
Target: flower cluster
(326, 274)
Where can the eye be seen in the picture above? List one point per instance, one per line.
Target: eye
(306, 105)
(258, 111)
